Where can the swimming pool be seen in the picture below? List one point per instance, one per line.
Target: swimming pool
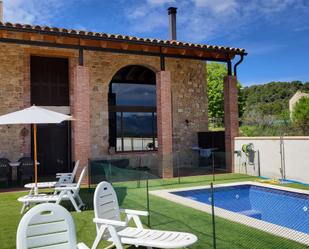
(278, 210)
(288, 209)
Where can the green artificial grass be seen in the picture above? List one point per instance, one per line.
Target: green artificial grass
(164, 215)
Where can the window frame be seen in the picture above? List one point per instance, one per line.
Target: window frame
(130, 109)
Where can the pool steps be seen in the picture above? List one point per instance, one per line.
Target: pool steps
(252, 213)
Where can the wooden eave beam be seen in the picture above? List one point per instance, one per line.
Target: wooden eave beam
(115, 45)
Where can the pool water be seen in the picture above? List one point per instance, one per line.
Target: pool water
(280, 207)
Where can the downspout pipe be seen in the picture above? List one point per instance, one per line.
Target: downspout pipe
(229, 68)
(237, 64)
(81, 56)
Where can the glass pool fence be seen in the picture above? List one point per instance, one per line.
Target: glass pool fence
(222, 216)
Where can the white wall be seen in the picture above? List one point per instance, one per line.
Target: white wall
(296, 157)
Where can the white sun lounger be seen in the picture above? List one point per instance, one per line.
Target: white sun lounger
(63, 178)
(68, 192)
(68, 177)
(47, 226)
(110, 227)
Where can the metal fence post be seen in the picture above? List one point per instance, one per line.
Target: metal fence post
(259, 163)
(213, 216)
(177, 162)
(148, 203)
(89, 174)
(213, 165)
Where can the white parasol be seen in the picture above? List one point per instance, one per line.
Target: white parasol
(34, 115)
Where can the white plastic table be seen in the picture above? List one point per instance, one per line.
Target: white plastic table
(14, 166)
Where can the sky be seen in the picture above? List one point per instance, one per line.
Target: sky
(275, 33)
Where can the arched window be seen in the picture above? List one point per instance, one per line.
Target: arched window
(132, 110)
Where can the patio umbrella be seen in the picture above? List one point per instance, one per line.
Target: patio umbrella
(34, 115)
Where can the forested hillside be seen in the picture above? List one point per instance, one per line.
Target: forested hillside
(270, 98)
(266, 109)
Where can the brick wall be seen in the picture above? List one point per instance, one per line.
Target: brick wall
(231, 122)
(81, 114)
(164, 124)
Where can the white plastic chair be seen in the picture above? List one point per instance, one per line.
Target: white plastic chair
(110, 227)
(47, 226)
(68, 192)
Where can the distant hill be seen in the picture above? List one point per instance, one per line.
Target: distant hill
(271, 98)
(137, 126)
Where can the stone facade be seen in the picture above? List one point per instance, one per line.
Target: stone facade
(189, 101)
(11, 95)
(190, 113)
(102, 67)
(15, 92)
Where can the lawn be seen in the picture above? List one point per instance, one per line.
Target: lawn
(164, 215)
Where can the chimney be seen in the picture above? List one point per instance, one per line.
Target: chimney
(1, 11)
(172, 20)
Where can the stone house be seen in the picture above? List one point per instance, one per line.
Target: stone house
(102, 80)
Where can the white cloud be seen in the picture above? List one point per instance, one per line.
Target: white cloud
(217, 6)
(138, 13)
(201, 20)
(33, 11)
(160, 2)
(258, 49)
(272, 6)
(301, 29)
(144, 19)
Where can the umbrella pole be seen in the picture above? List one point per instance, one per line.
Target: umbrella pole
(35, 159)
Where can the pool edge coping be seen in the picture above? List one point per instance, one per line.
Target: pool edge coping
(268, 227)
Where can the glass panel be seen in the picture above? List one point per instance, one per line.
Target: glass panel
(119, 132)
(134, 94)
(155, 130)
(137, 131)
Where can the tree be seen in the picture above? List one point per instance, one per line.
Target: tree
(300, 115)
(215, 87)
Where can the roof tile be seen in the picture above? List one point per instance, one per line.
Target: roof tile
(56, 30)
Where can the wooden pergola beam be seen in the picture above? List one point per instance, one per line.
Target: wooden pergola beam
(121, 46)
